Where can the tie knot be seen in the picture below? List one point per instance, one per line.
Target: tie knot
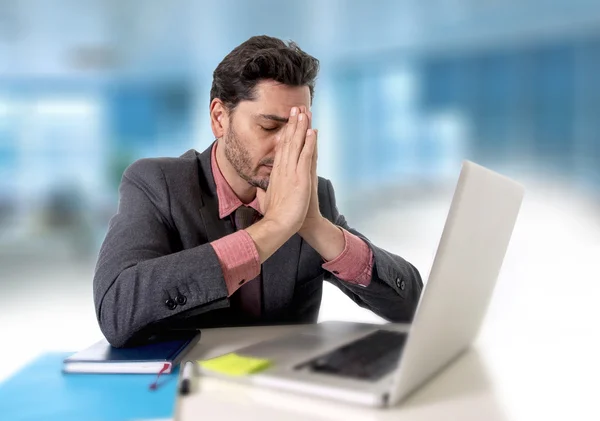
(244, 217)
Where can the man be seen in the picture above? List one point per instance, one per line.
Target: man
(245, 232)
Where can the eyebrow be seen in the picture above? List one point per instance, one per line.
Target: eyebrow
(273, 117)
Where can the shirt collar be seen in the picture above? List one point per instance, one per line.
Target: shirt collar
(228, 200)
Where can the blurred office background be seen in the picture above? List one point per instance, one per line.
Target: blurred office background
(407, 90)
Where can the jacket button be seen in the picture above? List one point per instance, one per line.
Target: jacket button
(181, 299)
(402, 285)
(399, 283)
(171, 304)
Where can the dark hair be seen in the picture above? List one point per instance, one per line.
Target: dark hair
(261, 58)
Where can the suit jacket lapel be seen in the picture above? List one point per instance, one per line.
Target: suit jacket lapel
(215, 227)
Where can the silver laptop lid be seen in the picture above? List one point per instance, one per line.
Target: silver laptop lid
(467, 263)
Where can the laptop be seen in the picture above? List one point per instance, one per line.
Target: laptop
(380, 365)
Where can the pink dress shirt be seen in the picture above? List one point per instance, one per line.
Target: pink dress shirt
(239, 258)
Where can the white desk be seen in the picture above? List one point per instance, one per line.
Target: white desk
(538, 357)
(463, 392)
(532, 375)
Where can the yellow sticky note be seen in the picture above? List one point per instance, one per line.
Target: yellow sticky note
(235, 365)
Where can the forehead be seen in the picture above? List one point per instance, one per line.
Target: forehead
(276, 98)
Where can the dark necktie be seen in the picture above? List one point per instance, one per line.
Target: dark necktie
(248, 297)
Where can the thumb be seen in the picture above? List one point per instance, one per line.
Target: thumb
(261, 196)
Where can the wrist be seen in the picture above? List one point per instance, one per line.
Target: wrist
(313, 225)
(325, 237)
(268, 235)
(278, 227)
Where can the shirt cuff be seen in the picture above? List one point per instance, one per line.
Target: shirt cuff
(355, 263)
(238, 257)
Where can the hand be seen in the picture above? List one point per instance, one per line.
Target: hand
(287, 198)
(313, 214)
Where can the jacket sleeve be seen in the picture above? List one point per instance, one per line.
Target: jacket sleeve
(395, 286)
(142, 276)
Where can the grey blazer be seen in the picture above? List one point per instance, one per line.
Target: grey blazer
(157, 272)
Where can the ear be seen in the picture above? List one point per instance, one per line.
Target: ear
(219, 118)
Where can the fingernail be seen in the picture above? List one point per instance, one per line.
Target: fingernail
(309, 132)
(294, 111)
(301, 117)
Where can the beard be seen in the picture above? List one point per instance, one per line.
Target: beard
(239, 157)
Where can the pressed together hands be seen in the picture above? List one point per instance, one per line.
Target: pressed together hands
(291, 203)
(294, 174)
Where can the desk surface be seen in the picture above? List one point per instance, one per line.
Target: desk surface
(537, 357)
(500, 383)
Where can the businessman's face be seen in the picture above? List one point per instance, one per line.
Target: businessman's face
(253, 128)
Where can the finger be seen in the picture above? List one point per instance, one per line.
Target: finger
(297, 143)
(287, 138)
(283, 142)
(261, 196)
(306, 111)
(278, 154)
(313, 167)
(305, 159)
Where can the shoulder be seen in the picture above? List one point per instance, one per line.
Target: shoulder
(326, 197)
(323, 187)
(161, 168)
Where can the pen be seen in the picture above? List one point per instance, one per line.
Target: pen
(186, 378)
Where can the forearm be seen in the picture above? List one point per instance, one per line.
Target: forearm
(325, 237)
(129, 295)
(269, 236)
(395, 286)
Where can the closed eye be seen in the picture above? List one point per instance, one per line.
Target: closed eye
(269, 129)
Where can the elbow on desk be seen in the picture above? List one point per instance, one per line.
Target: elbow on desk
(406, 312)
(116, 317)
(118, 334)
(414, 293)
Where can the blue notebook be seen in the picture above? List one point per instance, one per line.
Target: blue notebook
(42, 391)
(159, 355)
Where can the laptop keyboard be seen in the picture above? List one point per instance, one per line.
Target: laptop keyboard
(368, 358)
